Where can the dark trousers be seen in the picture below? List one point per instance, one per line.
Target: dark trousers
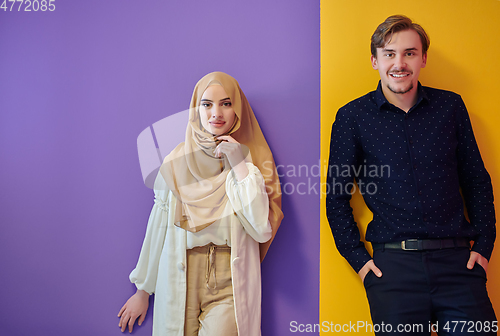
(424, 291)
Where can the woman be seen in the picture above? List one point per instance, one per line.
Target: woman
(217, 197)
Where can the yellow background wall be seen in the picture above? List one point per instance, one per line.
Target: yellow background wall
(464, 57)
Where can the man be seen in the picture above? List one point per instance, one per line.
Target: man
(412, 152)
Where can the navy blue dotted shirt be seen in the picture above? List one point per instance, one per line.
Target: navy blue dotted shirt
(411, 169)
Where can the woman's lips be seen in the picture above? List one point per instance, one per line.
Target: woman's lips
(218, 123)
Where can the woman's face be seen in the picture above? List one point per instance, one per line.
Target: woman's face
(216, 111)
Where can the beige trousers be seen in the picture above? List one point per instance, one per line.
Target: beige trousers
(209, 298)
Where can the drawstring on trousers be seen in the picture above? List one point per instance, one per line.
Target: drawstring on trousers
(211, 263)
(211, 267)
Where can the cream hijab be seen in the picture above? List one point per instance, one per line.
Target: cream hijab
(197, 178)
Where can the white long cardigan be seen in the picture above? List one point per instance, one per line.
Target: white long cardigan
(162, 262)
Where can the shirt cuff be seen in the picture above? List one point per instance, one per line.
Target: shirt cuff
(484, 246)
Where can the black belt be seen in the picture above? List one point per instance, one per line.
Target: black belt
(424, 244)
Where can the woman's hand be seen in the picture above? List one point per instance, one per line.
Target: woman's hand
(232, 150)
(136, 306)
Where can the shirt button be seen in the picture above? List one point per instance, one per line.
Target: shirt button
(425, 219)
(414, 166)
(420, 192)
(411, 142)
(180, 266)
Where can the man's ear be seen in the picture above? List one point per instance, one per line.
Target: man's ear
(424, 61)
(374, 62)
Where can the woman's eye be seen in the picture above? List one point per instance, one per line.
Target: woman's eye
(206, 105)
(227, 104)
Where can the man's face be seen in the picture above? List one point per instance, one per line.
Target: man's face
(399, 63)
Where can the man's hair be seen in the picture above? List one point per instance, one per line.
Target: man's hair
(394, 24)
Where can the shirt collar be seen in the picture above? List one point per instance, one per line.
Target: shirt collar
(380, 99)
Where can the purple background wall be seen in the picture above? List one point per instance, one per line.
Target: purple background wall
(77, 86)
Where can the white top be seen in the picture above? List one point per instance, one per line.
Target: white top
(219, 232)
(248, 206)
(161, 265)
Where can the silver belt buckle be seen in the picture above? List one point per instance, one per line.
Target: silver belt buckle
(403, 245)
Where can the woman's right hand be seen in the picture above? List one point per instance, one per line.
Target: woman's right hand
(136, 306)
(232, 149)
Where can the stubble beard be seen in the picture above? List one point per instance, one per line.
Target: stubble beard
(403, 91)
